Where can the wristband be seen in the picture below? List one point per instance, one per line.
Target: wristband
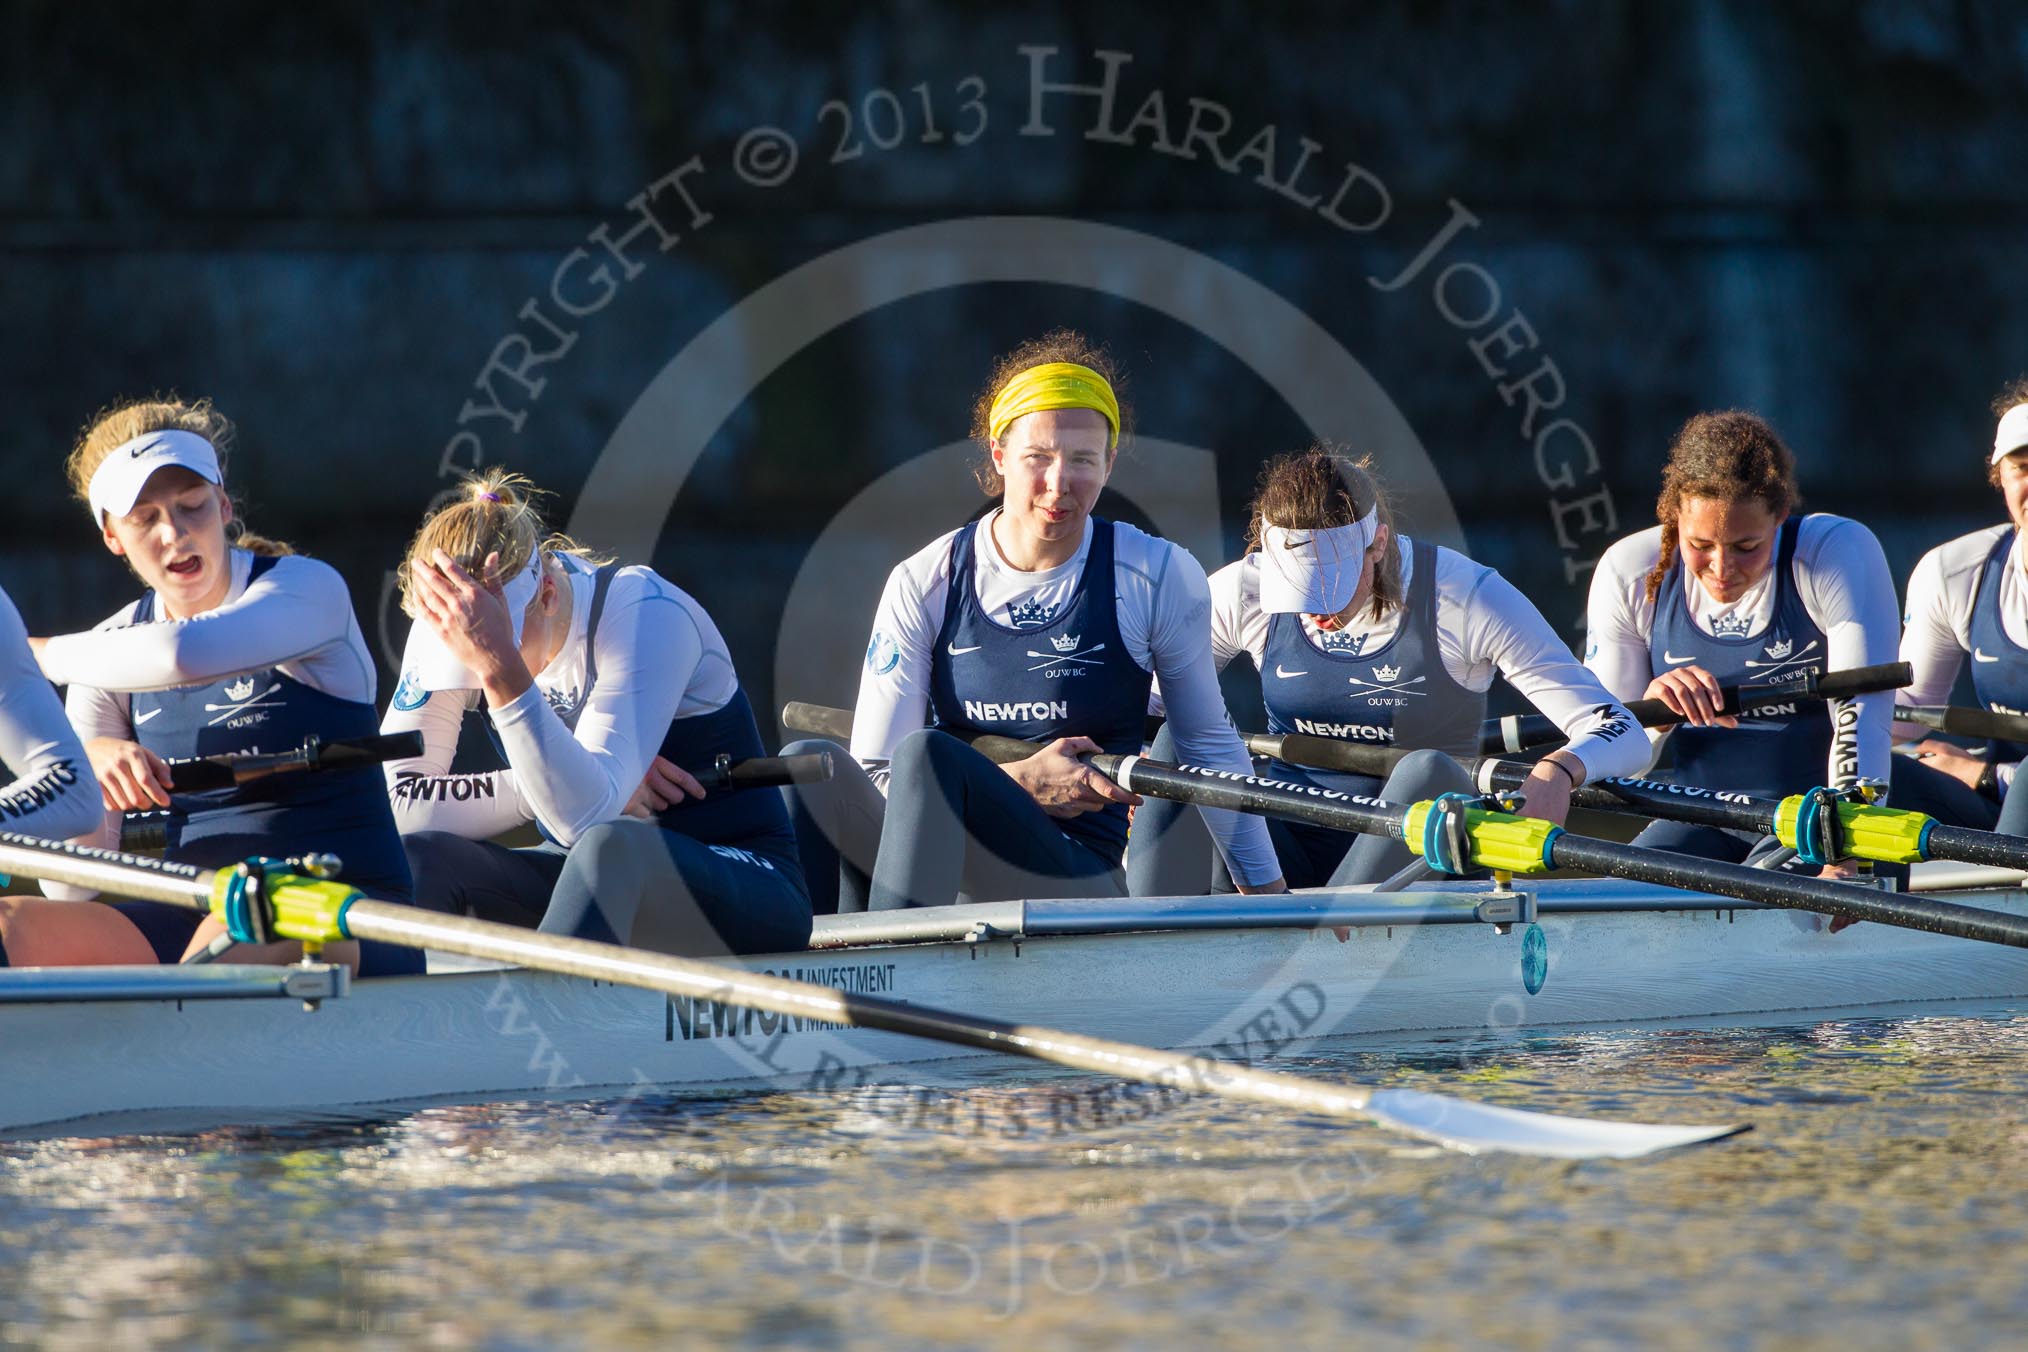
(1989, 780)
(1568, 773)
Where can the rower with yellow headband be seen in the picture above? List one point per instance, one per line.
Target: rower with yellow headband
(1038, 621)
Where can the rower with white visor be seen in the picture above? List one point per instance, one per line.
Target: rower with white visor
(239, 645)
(1363, 635)
(1968, 597)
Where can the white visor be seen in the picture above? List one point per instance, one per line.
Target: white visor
(2013, 433)
(120, 477)
(1313, 572)
(429, 665)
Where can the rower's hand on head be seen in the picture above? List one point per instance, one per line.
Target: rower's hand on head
(131, 777)
(1065, 786)
(471, 618)
(1546, 791)
(1952, 760)
(665, 785)
(1694, 693)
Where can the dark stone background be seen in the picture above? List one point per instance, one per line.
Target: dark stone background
(327, 220)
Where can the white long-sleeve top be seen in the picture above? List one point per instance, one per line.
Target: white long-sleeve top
(1842, 578)
(1163, 604)
(1937, 619)
(53, 792)
(1485, 627)
(296, 617)
(660, 658)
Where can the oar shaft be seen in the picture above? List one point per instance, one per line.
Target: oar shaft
(1373, 816)
(1795, 891)
(1962, 722)
(124, 875)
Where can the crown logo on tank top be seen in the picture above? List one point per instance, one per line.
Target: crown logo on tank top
(1736, 624)
(1780, 650)
(1064, 643)
(1032, 614)
(1338, 641)
(241, 689)
(1386, 673)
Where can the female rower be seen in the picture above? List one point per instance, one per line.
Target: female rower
(1733, 587)
(1969, 596)
(1363, 635)
(1038, 621)
(238, 645)
(605, 688)
(51, 794)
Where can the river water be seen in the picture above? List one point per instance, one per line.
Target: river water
(1878, 1202)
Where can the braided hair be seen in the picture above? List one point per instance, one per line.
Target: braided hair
(1730, 456)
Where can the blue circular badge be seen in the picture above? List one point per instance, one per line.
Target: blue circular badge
(1534, 959)
(883, 654)
(410, 693)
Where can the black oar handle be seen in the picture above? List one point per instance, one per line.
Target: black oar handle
(757, 772)
(1962, 722)
(144, 832)
(196, 774)
(1522, 732)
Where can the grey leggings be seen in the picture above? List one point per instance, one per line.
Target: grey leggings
(1170, 852)
(952, 826)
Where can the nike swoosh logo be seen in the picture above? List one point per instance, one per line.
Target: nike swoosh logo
(139, 719)
(1676, 661)
(1286, 674)
(1978, 656)
(955, 651)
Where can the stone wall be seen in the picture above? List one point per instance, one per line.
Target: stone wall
(330, 224)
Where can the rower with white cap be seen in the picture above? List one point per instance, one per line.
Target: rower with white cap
(1970, 596)
(606, 689)
(239, 645)
(1363, 635)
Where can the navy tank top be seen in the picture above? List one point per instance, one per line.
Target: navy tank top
(342, 812)
(756, 820)
(1061, 675)
(1999, 665)
(1773, 759)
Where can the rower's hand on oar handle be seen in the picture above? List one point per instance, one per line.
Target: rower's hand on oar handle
(1546, 792)
(665, 785)
(131, 777)
(1694, 693)
(1065, 786)
(1952, 760)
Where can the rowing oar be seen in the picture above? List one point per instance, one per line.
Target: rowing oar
(1503, 841)
(1520, 732)
(1821, 826)
(150, 830)
(200, 774)
(1962, 722)
(265, 899)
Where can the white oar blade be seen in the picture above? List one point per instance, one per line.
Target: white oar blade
(1463, 1125)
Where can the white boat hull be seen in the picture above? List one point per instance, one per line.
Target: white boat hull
(1249, 993)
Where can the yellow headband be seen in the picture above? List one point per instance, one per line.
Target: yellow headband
(1056, 384)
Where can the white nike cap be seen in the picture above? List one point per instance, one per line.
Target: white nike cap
(428, 665)
(117, 483)
(1313, 572)
(2012, 434)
